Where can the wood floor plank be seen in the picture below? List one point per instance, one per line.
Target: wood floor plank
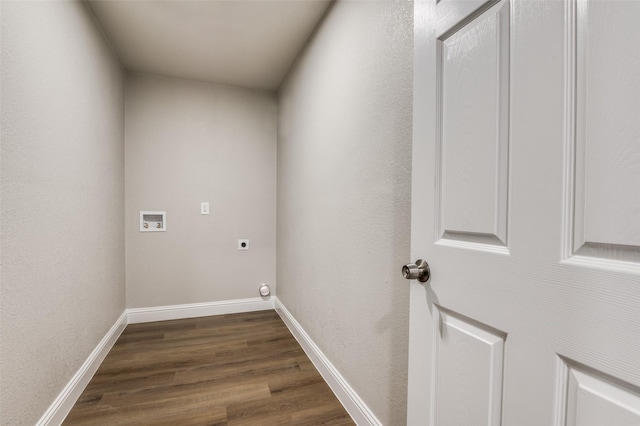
(180, 411)
(237, 369)
(325, 414)
(235, 373)
(281, 405)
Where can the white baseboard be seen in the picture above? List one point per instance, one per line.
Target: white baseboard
(65, 401)
(193, 310)
(356, 408)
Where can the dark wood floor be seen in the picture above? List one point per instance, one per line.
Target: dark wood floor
(240, 369)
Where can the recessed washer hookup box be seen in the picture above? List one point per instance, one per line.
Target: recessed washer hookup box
(153, 221)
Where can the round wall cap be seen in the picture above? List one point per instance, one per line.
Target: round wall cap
(265, 290)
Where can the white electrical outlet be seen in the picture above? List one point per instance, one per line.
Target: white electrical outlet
(204, 207)
(243, 244)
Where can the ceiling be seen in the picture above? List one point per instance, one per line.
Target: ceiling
(246, 43)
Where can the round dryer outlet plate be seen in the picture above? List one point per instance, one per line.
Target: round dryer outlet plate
(264, 290)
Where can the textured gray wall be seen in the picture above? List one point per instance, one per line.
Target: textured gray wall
(62, 197)
(188, 142)
(344, 193)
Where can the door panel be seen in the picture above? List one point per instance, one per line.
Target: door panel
(526, 204)
(474, 93)
(471, 353)
(592, 400)
(607, 205)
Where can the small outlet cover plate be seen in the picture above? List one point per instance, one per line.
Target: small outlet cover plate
(204, 207)
(243, 244)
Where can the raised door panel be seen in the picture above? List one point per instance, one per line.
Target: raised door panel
(607, 140)
(469, 365)
(593, 399)
(473, 140)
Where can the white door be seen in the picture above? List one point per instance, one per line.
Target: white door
(526, 205)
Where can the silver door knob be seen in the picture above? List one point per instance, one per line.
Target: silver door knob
(417, 271)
